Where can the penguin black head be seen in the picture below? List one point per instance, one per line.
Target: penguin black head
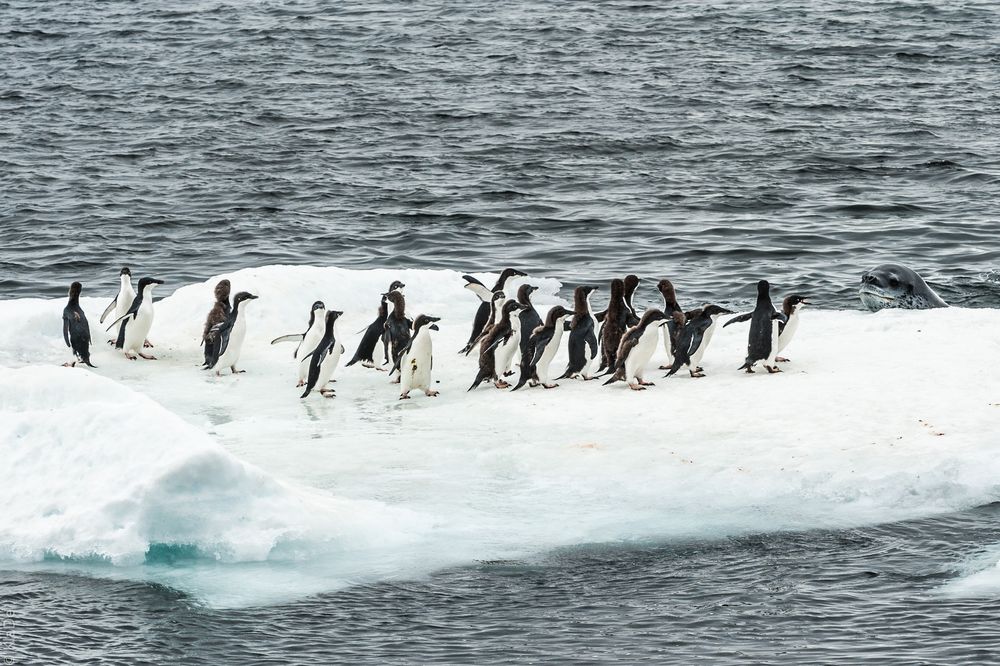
(524, 293)
(148, 282)
(125, 271)
(763, 288)
(793, 303)
(617, 288)
(318, 305)
(222, 290)
(396, 298)
(425, 320)
(395, 286)
(498, 296)
(75, 289)
(243, 296)
(631, 283)
(651, 316)
(715, 310)
(332, 315)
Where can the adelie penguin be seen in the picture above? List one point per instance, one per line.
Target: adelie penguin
(529, 320)
(398, 327)
(307, 340)
(323, 358)
(216, 316)
(417, 359)
(696, 333)
(582, 336)
(636, 348)
(76, 328)
(227, 337)
(122, 301)
(786, 329)
(498, 346)
(542, 347)
(615, 322)
(486, 297)
(672, 330)
(762, 345)
(134, 325)
(376, 331)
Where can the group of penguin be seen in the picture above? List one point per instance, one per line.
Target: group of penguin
(503, 328)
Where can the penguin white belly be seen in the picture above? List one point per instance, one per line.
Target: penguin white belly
(327, 367)
(333, 358)
(137, 330)
(668, 344)
(309, 342)
(640, 355)
(504, 354)
(515, 338)
(417, 365)
(542, 369)
(786, 335)
(700, 352)
(229, 358)
(124, 300)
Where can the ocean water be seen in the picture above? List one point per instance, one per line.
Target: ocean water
(842, 511)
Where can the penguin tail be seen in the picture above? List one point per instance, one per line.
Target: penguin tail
(614, 378)
(352, 362)
(306, 393)
(746, 366)
(479, 380)
(674, 368)
(565, 374)
(89, 364)
(522, 380)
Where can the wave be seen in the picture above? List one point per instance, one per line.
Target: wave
(234, 490)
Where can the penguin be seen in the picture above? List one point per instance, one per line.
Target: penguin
(786, 330)
(324, 357)
(483, 313)
(307, 340)
(762, 344)
(631, 284)
(395, 286)
(76, 328)
(542, 347)
(672, 330)
(636, 348)
(417, 360)
(134, 325)
(498, 345)
(375, 332)
(216, 316)
(397, 327)
(496, 305)
(119, 305)
(696, 334)
(615, 323)
(529, 322)
(227, 337)
(582, 337)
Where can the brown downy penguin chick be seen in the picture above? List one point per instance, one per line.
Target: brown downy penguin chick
(398, 326)
(496, 302)
(672, 330)
(501, 339)
(631, 284)
(615, 323)
(218, 314)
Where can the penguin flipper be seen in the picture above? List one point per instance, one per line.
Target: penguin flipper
(108, 310)
(120, 319)
(294, 337)
(478, 288)
(779, 316)
(66, 330)
(739, 319)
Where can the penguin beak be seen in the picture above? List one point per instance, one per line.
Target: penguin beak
(805, 300)
(157, 281)
(434, 327)
(435, 318)
(253, 297)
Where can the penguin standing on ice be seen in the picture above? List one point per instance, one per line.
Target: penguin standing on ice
(134, 325)
(542, 347)
(227, 337)
(615, 322)
(376, 331)
(582, 336)
(764, 322)
(696, 333)
(486, 297)
(529, 321)
(307, 340)
(417, 360)
(631, 284)
(119, 305)
(786, 330)
(636, 348)
(672, 330)
(323, 359)
(76, 328)
(398, 327)
(216, 316)
(498, 345)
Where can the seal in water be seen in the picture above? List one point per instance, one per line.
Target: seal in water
(895, 286)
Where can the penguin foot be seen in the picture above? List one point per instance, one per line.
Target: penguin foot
(148, 357)
(637, 387)
(665, 367)
(404, 396)
(642, 383)
(549, 386)
(130, 357)
(509, 373)
(587, 379)
(67, 364)
(367, 364)
(697, 373)
(432, 394)
(380, 369)
(300, 384)
(501, 384)
(773, 369)
(395, 381)
(327, 393)
(147, 344)
(750, 371)
(782, 359)
(699, 369)
(111, 343)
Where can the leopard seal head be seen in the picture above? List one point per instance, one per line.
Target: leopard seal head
(895, 286)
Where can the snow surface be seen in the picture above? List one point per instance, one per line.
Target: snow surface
(235, 490)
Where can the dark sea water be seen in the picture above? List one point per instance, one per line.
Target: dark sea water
(712, 143)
